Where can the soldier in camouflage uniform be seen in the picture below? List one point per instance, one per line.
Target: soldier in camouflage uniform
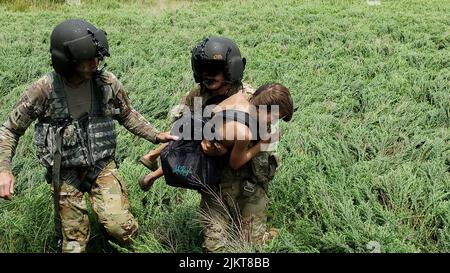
(242, 196)
(76, 106)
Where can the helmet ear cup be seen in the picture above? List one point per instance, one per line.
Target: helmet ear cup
(60, 62)
(195, 64)
(235, 69)
(197, 55)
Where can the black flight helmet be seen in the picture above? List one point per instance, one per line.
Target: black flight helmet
(76, 40)
(218, 54)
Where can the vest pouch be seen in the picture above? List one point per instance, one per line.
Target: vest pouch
(74, 149)
(264, 166)
(44, 141)
(69, 136)
(102, 137)
(73, 152)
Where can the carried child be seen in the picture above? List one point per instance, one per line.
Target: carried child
(235, 127)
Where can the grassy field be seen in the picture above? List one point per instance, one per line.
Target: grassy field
(366, 157)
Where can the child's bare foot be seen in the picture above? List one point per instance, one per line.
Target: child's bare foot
(146, 182)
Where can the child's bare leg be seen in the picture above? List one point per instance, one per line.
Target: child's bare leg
(149, 160)
(147, 181)
(154, 154)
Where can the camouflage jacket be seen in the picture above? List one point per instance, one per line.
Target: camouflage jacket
(197, 92)
(34, 104)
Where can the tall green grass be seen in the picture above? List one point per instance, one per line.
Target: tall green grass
(366, 157)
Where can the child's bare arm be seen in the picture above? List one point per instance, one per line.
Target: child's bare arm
(242, 153)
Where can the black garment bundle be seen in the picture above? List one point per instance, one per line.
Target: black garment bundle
(185, 165)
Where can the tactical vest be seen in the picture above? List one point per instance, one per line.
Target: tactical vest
(82, 142)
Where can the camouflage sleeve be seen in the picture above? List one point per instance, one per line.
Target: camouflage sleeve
(187, 104)
(191, 95)
(177, 111)
(129, 117)
(30, 106)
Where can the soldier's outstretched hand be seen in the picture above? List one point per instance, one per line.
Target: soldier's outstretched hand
(6, 185)
(165, 137)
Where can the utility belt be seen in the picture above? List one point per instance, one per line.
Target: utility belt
(81, 178)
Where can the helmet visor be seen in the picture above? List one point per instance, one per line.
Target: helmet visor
(211, 68)
(88, 47)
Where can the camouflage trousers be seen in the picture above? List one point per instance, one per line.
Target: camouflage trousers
(237, 212)
(109, 200)
(233, 216)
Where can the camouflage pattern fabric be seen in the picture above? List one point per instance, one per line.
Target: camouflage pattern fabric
(34, 104)
(109, 201)
(233, 203)
(233, 214)
(108, 195)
